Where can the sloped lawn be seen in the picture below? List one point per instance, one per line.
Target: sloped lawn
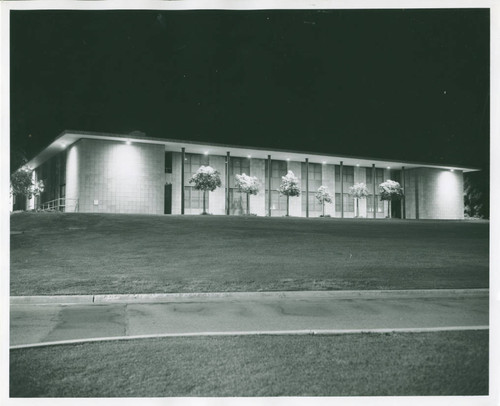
(75, 253)
(409, 364)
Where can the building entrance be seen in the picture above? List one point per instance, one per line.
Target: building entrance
(168, 199)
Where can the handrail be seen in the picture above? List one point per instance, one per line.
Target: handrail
(58, 204)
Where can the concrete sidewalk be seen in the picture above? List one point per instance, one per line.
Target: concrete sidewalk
(302, 311)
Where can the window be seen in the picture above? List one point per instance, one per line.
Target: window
(315, 176)
(379, 178)
(314, 204)
(348, 203)
(347, 176)
(168, 161)
(237, 200)
(193, 199)
(278, 169)
(192, 163)
(369, 204)
(238, 166)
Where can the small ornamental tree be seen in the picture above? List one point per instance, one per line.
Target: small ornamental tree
(248, 185)
(324, 196)
(289, 187)
(358, 191)
(21, 183)
(206, 179)
(390, 190)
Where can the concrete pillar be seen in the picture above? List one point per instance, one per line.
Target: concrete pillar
(183, 159)
(269, 185)
(374, 192)
(341, 189)
(227, 182)
(417, 214)
(307, 187)
(403, 200)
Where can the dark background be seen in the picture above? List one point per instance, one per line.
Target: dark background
(402, 84)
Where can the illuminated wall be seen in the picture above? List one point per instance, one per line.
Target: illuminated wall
(113, 177)
(434, 194)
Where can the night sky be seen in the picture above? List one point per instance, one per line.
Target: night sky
(401, 84)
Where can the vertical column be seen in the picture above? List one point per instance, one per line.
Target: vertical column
(227, 182)
(341, 189)
(269, 185)
(374, 193)
(403, 200)
(417, 214)
(307, 187)
(183, 160)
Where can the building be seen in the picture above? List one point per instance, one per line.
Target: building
(132, 173)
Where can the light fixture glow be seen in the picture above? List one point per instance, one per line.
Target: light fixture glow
(324, 162)
(206, 152)
(128, 143)
(357, 164)
(249, 156)
(452, 170)
(288, 159)
(388, 167)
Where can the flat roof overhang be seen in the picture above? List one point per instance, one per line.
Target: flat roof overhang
(68, 137)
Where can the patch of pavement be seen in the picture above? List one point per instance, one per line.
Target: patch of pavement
(30, 324)
(180, 297)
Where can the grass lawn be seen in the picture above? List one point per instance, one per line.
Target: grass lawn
(409, 364)
(76, 253)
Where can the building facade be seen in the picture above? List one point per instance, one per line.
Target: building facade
(116, 173)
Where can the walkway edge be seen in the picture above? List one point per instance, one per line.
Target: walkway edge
(184, 297)
(255, 333)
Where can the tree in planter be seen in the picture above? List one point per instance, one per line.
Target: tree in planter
(324, 196)
(248, 185)
(206, 179)
(358, 191)
(21, 183)
(289, 187)
(390, 190)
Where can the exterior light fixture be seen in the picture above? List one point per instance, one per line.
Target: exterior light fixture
(206, 152)
(128, 143)
(249, 156)
(63, 144)
(324, 162)
(288, 159)
(452, 170)
(357, 164)
(388, 167)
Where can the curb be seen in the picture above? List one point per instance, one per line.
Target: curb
(256, 333)
(186, 297)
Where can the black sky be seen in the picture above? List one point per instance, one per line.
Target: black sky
(401, 84)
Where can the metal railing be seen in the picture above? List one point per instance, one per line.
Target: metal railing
(59, 204)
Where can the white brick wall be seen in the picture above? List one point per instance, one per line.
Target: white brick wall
(113, 177)
(440, 194)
